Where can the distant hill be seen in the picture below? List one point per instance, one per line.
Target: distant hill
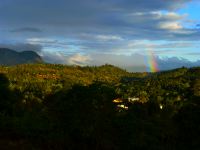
(11, 57)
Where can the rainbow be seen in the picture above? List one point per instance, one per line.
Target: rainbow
(152, 63)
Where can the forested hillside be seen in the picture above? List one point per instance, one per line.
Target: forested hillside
(59, 107)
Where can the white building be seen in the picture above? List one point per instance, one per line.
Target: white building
(133, 99)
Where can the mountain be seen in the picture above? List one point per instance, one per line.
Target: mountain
(11, 57)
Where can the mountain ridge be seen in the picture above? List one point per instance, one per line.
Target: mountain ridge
(11, 57)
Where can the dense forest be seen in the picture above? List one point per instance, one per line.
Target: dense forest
(58, 107)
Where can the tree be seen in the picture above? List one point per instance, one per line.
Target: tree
(85, 114)
(196, 87)
(6, 99)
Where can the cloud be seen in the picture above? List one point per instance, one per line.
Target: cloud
(23, 47)
(106, 19)
(98, 31)
(174, 16)
(48, 43)
(59, 58)
(194, 53)
(108, 38)
(158, 15)
(41, 41)
(27, 29)
(78, 59)
(170, 25)
(53, 57)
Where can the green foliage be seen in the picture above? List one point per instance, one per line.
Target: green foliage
(46, 106)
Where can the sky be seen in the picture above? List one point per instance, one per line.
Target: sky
(132, 34)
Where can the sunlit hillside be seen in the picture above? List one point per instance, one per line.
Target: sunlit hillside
(72, 107)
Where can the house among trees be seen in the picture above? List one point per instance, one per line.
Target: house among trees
(123, 103)
(133, 99)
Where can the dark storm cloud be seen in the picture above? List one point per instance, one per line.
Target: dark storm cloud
(128, 19)
(106, 16)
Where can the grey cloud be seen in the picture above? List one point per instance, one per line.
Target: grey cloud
(55, 58)
(194, 53)
(172, 45)
(139, 46)
(69, 17)
(158, 52)
(146, 5)
(111, 26)
(42, 41)
(27, 29)
(23, 47)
